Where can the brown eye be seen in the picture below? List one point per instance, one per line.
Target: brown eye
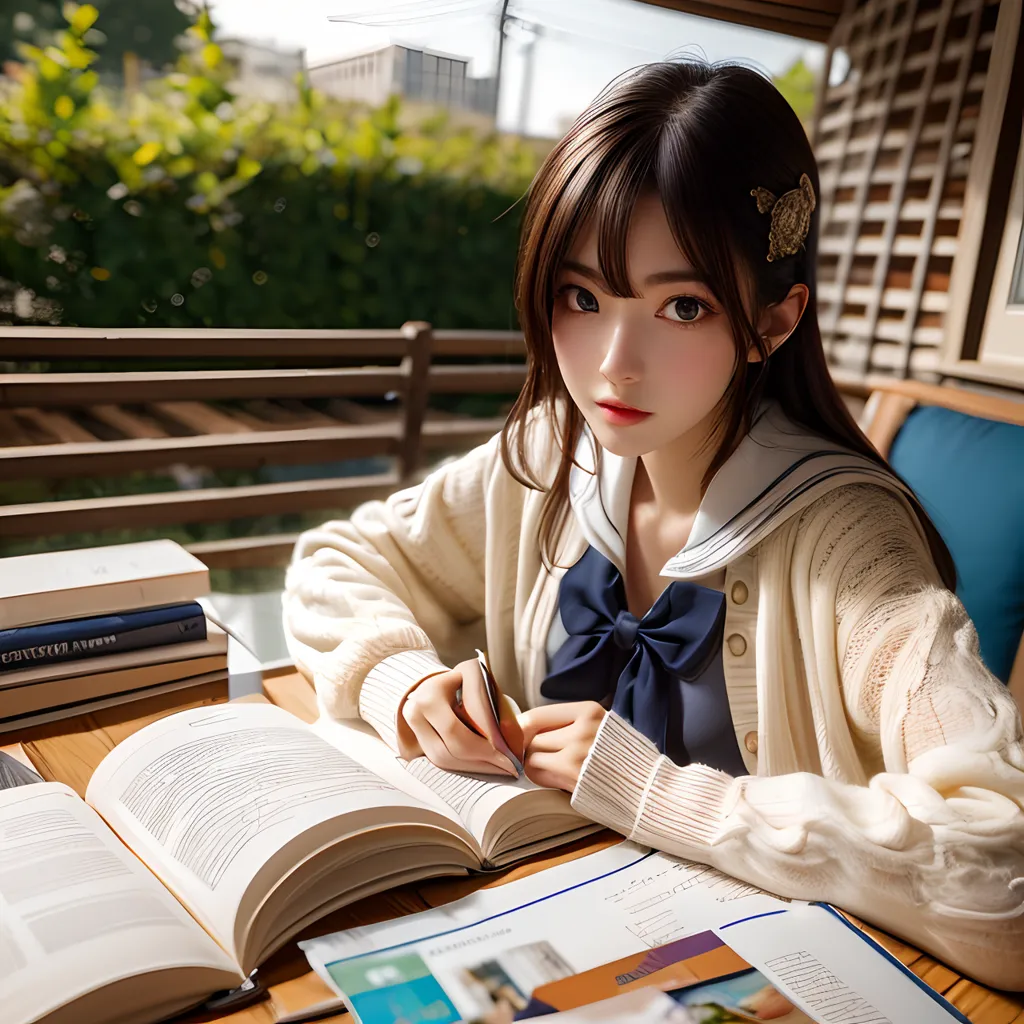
(582, 301)
(686, 309)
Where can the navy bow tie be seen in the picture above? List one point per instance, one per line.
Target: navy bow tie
(611, 652)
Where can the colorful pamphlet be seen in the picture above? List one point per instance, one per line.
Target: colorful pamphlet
(613, 924)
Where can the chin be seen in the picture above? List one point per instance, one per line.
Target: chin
(625, 442)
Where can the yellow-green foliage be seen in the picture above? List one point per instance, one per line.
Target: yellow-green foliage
(182, 205)
(799, 84)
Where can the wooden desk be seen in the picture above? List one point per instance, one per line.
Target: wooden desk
(69, 752)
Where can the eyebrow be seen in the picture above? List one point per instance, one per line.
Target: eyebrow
(661, 277)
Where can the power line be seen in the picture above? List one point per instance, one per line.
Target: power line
(384, 19)
(419, 12)
(400, 23)
(554, 30)
(401, 9)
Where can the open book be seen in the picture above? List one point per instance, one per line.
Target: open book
(259, 824)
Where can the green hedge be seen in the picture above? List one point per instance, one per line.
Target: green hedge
(182, 206)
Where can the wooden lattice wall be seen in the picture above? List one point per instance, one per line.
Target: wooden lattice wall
(893, 143)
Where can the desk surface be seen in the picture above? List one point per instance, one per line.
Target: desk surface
(69, 752)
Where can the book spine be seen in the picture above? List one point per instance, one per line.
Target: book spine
(160, 634)
(22, 638)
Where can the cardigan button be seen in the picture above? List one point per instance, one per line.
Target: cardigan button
(737, 645)
(740, 592)
(750, 742)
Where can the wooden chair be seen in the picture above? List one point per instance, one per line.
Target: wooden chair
(885, 415)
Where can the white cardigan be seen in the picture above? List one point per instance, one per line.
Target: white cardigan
(886, 763)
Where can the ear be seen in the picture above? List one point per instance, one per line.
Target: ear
(779, 320)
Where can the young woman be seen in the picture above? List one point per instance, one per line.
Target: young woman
(730, 623)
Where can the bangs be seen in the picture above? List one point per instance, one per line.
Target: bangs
(612, 193)
(602, 190)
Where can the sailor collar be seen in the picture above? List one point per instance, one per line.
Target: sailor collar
(776, 471)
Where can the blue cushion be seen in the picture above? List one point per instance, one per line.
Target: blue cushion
(969, 475)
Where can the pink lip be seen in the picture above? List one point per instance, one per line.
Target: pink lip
(621, 415)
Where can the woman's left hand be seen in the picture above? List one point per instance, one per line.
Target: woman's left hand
(557, 739)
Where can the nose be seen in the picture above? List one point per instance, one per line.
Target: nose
(621, 362)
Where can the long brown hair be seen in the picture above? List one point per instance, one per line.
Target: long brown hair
(702, 136)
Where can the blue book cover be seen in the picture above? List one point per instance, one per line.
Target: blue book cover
(55, 642)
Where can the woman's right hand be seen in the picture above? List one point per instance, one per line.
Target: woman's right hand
(430, 725)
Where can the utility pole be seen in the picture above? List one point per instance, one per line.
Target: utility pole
(502, 18)
(527, 87)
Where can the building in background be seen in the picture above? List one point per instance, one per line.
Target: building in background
(264, 71)
(421, 76)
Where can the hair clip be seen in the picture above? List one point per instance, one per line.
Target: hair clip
(791, 217)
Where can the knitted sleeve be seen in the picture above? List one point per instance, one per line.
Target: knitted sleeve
(365, 596)
(928, 843)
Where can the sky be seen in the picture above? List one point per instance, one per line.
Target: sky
(581, 46)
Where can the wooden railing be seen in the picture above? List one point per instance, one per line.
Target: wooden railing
(310, 409)
(304, 411)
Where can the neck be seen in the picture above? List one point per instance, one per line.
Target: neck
(672, 476)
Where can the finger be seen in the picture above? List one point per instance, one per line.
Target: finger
(437, 753)
(548, 717)
(511, 730)
(430, 707)
(487, 719)
(498, 720)
(425, 740)
(408, 744)
(552, 740)
(549, 770)
(465, 747)
(477, 704)
(434, 748)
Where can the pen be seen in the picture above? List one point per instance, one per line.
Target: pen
(493, 701)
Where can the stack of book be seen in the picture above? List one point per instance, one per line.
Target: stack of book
(92, 627)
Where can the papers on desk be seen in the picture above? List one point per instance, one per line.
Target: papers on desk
(616, 922)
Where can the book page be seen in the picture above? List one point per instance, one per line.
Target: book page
(222, 802)
(78, 911)
(470, 799)
(508, 818)
(829, 968)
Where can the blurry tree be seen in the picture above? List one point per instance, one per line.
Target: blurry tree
(182, 206)
(799, 84)
(147, 28)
